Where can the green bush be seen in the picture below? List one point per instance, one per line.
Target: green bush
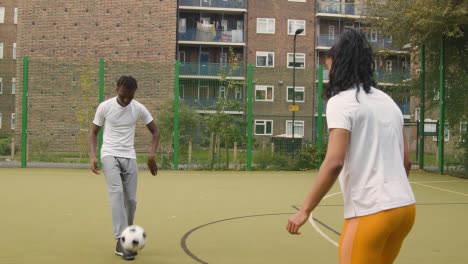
(5, 146)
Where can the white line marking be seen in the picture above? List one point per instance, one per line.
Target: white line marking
(311, 220)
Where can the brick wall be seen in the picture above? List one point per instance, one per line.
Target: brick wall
(7, 66)
(280, 76)
(60, 38)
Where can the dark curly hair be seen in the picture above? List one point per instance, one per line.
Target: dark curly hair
(127, 82)
(352, 64)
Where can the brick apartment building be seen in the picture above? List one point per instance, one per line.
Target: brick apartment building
(64, 41)
(8, 81)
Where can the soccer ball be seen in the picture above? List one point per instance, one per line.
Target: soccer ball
(133, 238)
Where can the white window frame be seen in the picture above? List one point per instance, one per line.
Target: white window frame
(297, 1)
(2, 15)
(14, 51)
(13, 85)
(1, 86)
(223, 59)
(436, 94)
(374, 35)
(387, 64)
(417, 114)
(182, 25)
(297, 89)
(290, 59)
(463, 129)
(237, 94)
(12, 121)
(265, 88)
(181, 55)
(265, 54)
(264, 123)
(222, 92)
(446, 134)
(15, 16)
(269, 28)
(331, 32)
(297, 123)
(1, 50)
(294, 27)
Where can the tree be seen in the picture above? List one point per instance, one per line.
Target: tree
(227, 127)
(428, 22)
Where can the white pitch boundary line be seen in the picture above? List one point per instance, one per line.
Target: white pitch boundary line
(311, 219)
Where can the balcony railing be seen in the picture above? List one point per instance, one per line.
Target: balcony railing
(214, 3)
(391, 76)
(327, 40)
(212, 35)
(205, 103)
(211, 69)
(335, 7)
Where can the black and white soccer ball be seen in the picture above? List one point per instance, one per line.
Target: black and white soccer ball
(133, 238)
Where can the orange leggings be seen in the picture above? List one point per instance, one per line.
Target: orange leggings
(375, 238)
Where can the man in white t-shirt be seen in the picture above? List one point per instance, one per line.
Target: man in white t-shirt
(119, 115)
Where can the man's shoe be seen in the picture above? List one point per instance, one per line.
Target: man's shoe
(126, 255)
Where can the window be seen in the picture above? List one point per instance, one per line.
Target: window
(300, 60)
(331, 32)
(13, 85)
(1, 50)
(182, 57)
(436, 94)
(2, 15)
(0, 120)
(417, 114)
(263, 127)
(182, 25)
(388, 65)
(264, 93)
(463, 126)
(298, 127)
(240, 25)
(12, 121)
(237, 94)
(223, 59)
(1, 86)
(266, 25)
(14, 51)
(15, 16)
(265, 59)
(300, 94)
(405, 66)
(374, 35)
(294, 25)
(446, 134)
(222, 92)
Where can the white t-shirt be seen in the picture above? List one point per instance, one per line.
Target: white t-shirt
(119, 126)
(373, 177)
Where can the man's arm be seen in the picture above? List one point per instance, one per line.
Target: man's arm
(407, 159)
(328, 173)
(154, 146)
(93, 138)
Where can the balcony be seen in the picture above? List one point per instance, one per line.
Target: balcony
(204, 103)
(208, 34)
(327, 40)
(391, 76)
(214, 3)
(341, 8)
(210, 69)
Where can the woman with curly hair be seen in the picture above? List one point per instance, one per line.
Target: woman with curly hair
(367, 151)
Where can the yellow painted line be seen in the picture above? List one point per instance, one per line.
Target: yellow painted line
(437, 188)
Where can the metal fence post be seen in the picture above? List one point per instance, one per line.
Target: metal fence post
(249, 140)
(319, 115)
(176, 117)
(421, 107)
(442, 107)
(24, 117)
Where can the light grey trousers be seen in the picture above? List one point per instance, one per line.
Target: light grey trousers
(121, 181)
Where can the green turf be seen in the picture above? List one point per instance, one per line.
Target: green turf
(63, 216)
